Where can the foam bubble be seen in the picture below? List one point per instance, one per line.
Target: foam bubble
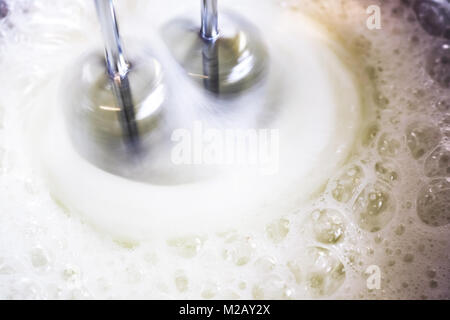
(325, 274)
(432, 203)
(328, 225)
(438, 65)
(438, 162)
(374, 207)
(422, 138)
(434, 16)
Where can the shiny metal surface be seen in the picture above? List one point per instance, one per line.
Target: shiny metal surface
(114, 104)
(209, 28)
(95, 120)
(226, 58)
(118, 71)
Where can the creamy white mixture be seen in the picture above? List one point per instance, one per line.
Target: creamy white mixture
(363, 134)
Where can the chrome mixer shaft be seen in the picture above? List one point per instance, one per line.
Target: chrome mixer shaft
(118, 69)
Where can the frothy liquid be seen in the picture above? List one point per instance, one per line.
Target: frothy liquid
(377, 192)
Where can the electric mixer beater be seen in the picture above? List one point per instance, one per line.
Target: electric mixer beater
(116, 103)
(227, 59)
(118, 120)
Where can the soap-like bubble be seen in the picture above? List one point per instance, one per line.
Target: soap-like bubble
(344, 187)
(325, 274)
(374, 207)
(434, 16)
(421, 138)
(437, 163)
(388, 146)
(387, 171)
(438, 64)
(433, 203)
(328, 225)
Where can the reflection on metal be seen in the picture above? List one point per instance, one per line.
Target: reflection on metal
(97, 124)
(209, 28)
(226, 59)
(118, 69)
(111, 125)
(210, 56)
(108, 108)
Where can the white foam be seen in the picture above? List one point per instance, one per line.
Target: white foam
(46, 252)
